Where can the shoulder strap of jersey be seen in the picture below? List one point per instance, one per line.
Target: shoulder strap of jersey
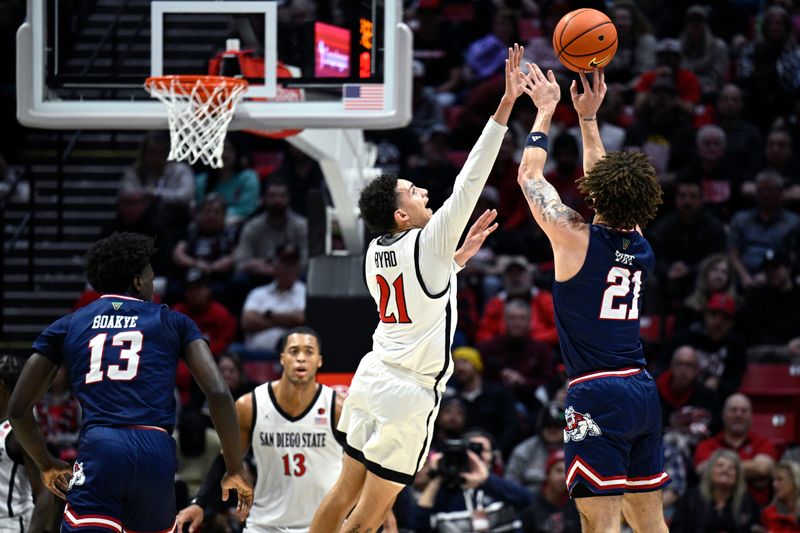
(419, 273)
(340, 436)
(255, 414)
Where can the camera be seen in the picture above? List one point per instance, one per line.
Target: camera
(454, 460)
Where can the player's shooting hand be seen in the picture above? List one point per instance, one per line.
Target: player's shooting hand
(543, 90)
(477, 474)
(514, 77)
(56, 477)
(244, 492)
(482, 228)
(588, 102)
(192, 515)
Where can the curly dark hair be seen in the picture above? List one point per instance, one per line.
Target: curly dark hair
(623, 188)
(113, 262)
(378, 202)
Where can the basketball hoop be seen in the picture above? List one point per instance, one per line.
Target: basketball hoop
(199, 109)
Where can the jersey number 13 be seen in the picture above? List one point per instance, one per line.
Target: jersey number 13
(620, 279)
(130, 353)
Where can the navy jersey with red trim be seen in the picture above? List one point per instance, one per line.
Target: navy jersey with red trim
(597, 310)
(121, 354)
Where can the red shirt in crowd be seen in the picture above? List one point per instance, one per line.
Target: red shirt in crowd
(543, 321)
(776, 522)
(216, 323)
(753, 445)
(686, 84)
(218, 327)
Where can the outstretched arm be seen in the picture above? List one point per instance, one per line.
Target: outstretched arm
(209, 490)
(587, 104)
(37, 374)
(223, 414)
(543, 199)
(440, 236)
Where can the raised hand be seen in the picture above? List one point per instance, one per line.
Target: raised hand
(481, 229)
(514, 81)
(543, 90)
(477, 474)
(588, 102)
(192, 515)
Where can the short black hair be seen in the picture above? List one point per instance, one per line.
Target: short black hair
(623, 188)
(301, 330)
(10, 370)
(276, 181)
(480, 432)
(113, 262)
(378, 202)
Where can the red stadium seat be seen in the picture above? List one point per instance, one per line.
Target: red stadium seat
(771, 379)
(259, 372)
(772, 387)
(266, 162)
(779, 427)
(655, 328)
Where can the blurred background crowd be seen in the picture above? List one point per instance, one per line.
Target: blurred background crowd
(710, 91)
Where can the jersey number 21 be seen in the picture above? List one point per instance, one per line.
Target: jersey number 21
(620, 279)
(399, 299)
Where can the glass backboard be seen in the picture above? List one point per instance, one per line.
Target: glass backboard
(308, 64)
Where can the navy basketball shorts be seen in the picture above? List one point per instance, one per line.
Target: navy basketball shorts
(123, 480)
(612, 442)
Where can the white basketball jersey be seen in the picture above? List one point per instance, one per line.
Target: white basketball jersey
(15, 489)
(416, 327)
(297, 459)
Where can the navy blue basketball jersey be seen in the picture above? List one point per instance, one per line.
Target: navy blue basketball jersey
(597, 310)
(121, 354)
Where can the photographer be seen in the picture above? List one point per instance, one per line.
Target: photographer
(464, 495)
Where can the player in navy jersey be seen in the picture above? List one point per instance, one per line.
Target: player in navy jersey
(121, 352)
(612, 439)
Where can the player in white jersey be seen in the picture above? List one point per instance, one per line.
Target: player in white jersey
(410, 271)
(290, 426)
(19, 477)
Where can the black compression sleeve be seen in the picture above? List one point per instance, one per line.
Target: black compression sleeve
(210, 492)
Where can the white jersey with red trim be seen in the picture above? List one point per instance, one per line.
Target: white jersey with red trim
(297, 458)
(416, 326)
(16, 497)
(412, 275)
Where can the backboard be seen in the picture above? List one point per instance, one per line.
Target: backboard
(323, 67)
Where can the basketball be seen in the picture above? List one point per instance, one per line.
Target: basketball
(585, 39)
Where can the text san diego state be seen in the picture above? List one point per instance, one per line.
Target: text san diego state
(292, 440)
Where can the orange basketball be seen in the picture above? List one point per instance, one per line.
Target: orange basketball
(585, 39)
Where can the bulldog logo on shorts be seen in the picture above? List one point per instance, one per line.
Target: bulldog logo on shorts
(78, 478)
(579, 425)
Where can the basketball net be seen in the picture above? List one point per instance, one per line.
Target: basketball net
(199, 110)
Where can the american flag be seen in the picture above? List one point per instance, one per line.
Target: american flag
(363, 97)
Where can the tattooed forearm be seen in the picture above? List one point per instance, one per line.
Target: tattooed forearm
(357, 529)
(544, 200)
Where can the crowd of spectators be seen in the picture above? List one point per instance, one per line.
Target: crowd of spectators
(711, 92)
